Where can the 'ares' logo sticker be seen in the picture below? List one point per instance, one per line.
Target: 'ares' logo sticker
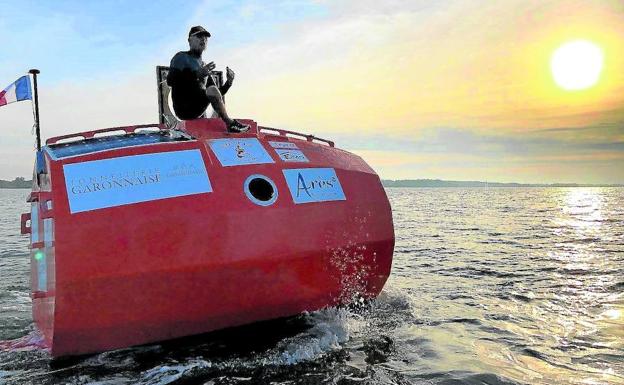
(313, 185)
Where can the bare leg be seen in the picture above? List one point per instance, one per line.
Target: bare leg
(216, 101)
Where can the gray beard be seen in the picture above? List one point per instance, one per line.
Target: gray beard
(196, 49)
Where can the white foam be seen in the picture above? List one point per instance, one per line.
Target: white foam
(166, 374)
(331, 328)
(112, 381)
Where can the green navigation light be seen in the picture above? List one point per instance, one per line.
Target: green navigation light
(39, 255)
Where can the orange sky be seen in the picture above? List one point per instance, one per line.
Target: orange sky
(478, 65)
(447, 89)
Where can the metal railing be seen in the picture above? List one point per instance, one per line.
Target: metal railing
(296, 135)
(96, 133)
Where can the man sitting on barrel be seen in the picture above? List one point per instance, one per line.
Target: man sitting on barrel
(192, 86)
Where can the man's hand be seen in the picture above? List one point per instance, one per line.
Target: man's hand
(207, 69)
(229, 75)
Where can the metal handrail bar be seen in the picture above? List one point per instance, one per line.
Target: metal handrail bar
(308, 137)
(91, 134)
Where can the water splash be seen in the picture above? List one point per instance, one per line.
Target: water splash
(32, 340)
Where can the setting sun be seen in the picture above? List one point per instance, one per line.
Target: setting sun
(577, 65)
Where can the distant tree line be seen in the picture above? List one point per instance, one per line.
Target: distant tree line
(457, 183)
(18, 182)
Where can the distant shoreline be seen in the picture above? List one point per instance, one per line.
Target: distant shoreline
(21, 183)
(428, 183)
(16, 183)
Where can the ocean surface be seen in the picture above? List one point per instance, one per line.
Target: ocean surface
(488, 286)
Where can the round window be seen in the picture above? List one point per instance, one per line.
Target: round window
(260, 190)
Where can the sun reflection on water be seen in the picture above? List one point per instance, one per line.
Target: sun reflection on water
(579, 309)
(563, 320)
(582, 207)
(613, 314)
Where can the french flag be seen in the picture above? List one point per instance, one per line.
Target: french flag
(20, 90)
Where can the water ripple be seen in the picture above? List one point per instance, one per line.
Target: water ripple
(489, 286)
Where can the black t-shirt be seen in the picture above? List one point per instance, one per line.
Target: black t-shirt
(188, 87)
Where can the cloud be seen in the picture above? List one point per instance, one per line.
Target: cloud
(596, 167)
(438, 85)
(408, 66)
(465, 154)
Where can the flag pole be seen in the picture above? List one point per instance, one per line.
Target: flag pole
(34, 73)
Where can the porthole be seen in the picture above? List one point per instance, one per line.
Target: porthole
(260, 190)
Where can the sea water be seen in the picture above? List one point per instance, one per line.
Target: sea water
(488, 286)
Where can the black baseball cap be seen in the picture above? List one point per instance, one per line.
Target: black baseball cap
(198, 30)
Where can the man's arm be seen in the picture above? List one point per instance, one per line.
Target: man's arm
(228, 83)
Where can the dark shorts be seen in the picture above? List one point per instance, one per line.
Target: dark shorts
(189, 105)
